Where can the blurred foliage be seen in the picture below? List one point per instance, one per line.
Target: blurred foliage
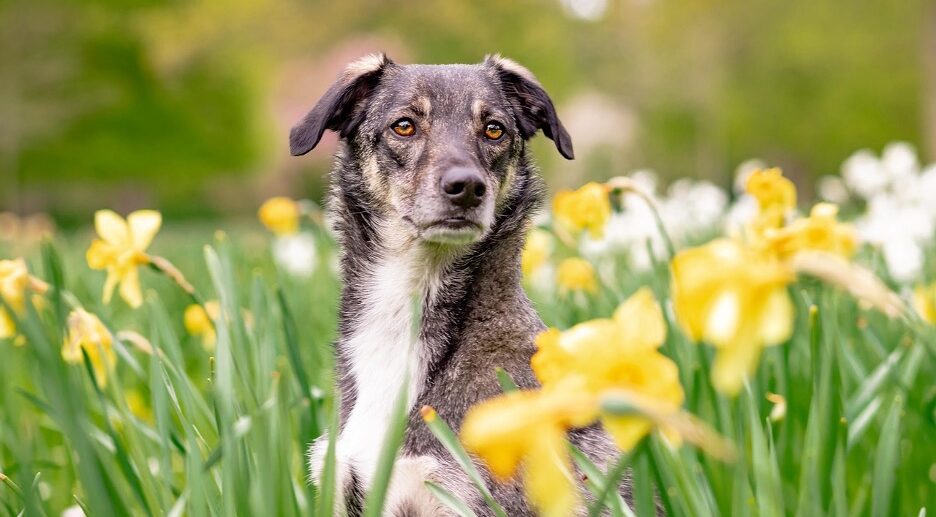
(167, 104)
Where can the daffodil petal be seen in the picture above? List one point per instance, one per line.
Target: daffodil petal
(101, 363)
(721, 325)
(130, 288)
(71, 351)
(87, 333)
(111, 228)
(495, 430)
(99, 254)
(733, 364)
(641, 321)
(113, 278)
(627, 431)
(548, 476)
(7, 329)
(196, 319)
(777, 318)
(144, 225)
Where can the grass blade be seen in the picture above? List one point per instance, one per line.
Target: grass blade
(598, 484)
(506, 382)
(448, 499)
(444, 434)
(393, 439)
(886, 458)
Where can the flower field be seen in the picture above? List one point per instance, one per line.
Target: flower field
(750, 353)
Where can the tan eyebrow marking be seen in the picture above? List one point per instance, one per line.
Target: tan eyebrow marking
(477, 108)
(422, 106)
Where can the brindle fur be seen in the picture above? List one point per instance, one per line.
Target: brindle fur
(384, 192)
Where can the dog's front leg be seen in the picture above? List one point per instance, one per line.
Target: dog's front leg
(349, 487)
(408, 496)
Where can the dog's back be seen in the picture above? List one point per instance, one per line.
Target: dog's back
(431, 198)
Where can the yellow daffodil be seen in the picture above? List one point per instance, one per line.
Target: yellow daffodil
(138, 406)
(821, 231)
(590, 347)
(735, 299)
(576, 275)
(587, 208)
(199, 321)
(86, 332)
(652, 377)
(771, 189)
(616, 354)
(536, 252)
(7, 327)
(15, 284)
(924, 301)
(776, 197)
(581, 369)
(529, 428)
(14, 280)
(121, 249)
(280, 215)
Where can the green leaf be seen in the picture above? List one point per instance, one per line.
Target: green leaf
(327, 485)
(602, 486)
(886, 459)
(767, 489)
(643, 487)
(448, 499)
(393, 439)
(507, 383)
(446, 436)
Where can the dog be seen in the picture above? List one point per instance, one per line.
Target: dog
(431, 197)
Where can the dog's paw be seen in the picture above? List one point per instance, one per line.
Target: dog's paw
(407, 495)
(343, 474)
(316, 459)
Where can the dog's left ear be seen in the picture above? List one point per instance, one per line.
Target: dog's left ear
(532, 105)
(340, 109)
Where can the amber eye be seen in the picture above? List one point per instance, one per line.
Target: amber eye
(493, 130)
(404, 127)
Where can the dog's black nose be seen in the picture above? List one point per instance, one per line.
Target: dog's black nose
(463, 186)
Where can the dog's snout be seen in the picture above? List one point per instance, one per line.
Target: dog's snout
(463, 186)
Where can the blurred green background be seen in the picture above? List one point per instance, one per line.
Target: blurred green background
(184, 105)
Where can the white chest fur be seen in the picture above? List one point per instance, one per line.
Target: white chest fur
(384, 353)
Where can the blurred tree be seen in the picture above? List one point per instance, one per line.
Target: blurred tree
(171, 104)
(801, 84)
(90, 113)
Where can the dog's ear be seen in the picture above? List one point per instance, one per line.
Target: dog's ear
(531, 104)
(341, 108)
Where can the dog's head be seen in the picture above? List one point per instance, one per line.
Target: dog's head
(436, 147)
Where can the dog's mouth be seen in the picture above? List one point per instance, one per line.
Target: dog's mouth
(456, 223)
(451, 230)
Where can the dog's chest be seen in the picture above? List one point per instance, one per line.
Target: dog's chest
(384, 354)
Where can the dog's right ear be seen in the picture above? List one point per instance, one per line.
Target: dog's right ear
(340, 109)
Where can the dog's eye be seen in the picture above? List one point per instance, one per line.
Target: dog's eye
(493, 130)
(403, 127)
